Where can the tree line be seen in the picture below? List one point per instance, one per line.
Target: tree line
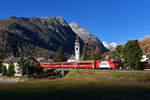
(95, 55)
(128, 56)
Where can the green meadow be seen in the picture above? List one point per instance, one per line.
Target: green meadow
(82, 85)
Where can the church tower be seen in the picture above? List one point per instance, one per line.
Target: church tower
(77, 49)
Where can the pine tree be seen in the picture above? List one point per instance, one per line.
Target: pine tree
(31, 68)
(11, 70)
(132, 54)
(22, 65)
(59, 56)
(85, 55)
(0, 66)
(97, 54)
(4, 72)
(34, 68)
(118, 54)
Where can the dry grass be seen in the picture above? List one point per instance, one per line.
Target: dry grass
(81, 85)
(143, 76)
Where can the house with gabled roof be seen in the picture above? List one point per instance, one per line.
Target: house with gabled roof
(17, 69)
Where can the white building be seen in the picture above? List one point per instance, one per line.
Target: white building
(145, 57)
(71, 58)
(17, 69)
(77, 49)
(75, 57)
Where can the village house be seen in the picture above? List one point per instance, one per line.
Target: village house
(15, 61)
(17, 69)
(146, 59)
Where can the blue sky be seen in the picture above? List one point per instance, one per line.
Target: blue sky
(110, 20)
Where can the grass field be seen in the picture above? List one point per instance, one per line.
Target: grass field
(82, 85)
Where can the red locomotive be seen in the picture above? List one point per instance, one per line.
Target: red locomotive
(93, 64)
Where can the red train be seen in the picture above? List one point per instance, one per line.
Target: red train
(111, 64)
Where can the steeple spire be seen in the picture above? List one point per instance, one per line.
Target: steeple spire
(77, 38)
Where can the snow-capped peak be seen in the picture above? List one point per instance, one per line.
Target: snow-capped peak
(110, 46)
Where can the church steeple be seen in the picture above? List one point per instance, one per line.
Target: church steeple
(77, 49)
(77, 38)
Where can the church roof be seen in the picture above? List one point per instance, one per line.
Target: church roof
(14, 60)
(72, 57)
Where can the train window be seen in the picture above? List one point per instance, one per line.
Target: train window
(67, 64)
(87, 63)
(56, 64)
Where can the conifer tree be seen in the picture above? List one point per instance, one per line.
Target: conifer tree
(34, 67)
(11, 70)
(31, 68)
(4, 72)
(118, 54)
(0, 66)
(97, 54)
(85, 55)
(59, 56)
(132, 54)
(22, 65)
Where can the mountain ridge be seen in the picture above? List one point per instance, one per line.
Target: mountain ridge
(39, 37)
(87, 37)
(110, 46)
(44, 33)
(145, 44)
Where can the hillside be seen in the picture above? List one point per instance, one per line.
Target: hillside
(145, 44)
(87, 37)
(35, 36)
(42, 36)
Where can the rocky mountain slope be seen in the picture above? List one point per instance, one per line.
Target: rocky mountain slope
(87, 37)
(145, 44)
(110, 46)
(35, 36)
(41, 36)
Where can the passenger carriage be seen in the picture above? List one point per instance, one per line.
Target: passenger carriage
(93, 64)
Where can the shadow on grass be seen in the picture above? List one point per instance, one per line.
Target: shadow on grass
(75, 86)
(78, 93)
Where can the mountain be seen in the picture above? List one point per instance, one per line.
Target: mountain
(145, 44)
(35, 36)
(110, 46)
(87, 37)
